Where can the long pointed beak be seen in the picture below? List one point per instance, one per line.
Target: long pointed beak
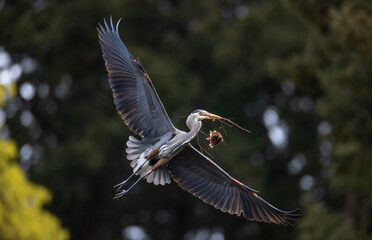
(210, 116)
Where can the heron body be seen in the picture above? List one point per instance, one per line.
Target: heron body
(156, 156)
(164, 152)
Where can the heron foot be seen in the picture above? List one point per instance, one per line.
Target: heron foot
(124, 191)
(120, 194)
(119, 186)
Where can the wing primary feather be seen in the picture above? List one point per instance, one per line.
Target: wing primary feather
(117, 25)
(107, 27)
(253, 208)
(232, 208)
(238, 204)
(204, 191)
(270, 215)
(230, 204)
(247, 209)
(200, 185)
(221, 199)
(264, 217)
(212, 193)
(216, 195)
(257, 207)
(112, 25)
(226, 201)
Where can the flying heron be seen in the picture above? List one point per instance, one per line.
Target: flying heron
(165, 152)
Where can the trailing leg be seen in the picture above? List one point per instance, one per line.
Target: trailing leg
(124, 191)
(122, 184)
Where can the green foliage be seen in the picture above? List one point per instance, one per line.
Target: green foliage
(22, 213)
(21, 203)
(5, 92)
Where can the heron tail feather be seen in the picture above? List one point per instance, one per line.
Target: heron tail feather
(137, 152)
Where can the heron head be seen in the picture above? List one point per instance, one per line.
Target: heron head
(202, 114)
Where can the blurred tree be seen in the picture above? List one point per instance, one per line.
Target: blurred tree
(290, 71)
(22, 215)
(334, 68)
(199, 54)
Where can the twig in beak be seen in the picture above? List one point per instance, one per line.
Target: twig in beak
(224, 120)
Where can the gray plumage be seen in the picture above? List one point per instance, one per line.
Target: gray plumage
(164, 152)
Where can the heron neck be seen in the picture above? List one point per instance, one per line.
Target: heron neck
(194, 129)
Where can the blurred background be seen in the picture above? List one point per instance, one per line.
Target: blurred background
(296, 73)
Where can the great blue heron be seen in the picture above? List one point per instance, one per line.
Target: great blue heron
(165, 152)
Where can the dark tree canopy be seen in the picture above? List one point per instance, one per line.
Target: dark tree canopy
(295, 73)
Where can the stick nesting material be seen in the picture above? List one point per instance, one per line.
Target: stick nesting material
(224, 120)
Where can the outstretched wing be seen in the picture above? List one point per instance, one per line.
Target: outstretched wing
(200, 176)
(135, 97)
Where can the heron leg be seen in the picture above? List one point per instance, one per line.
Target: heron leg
(124, 191)
(122, 184)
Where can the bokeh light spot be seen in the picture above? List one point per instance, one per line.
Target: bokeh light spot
(27, 91)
